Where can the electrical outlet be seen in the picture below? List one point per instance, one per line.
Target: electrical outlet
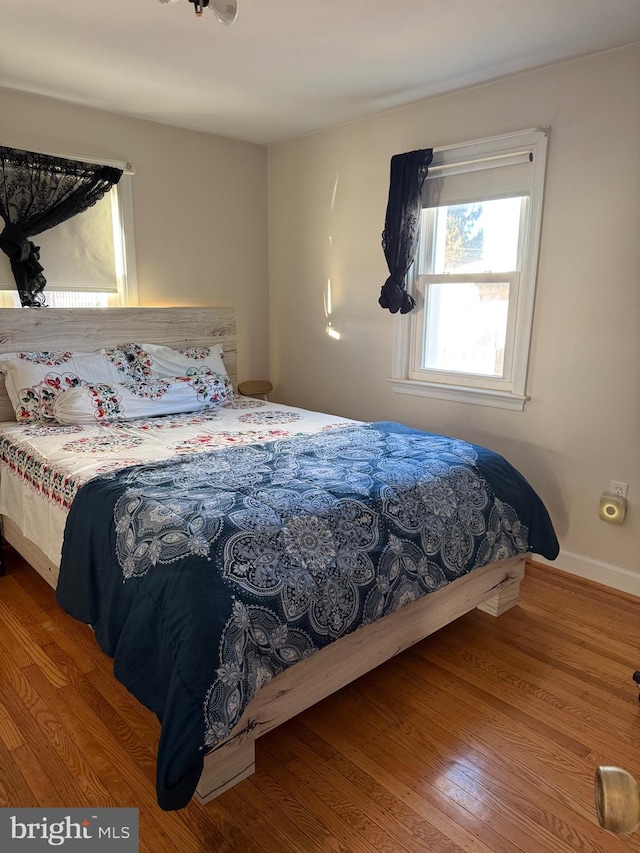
(619, 489)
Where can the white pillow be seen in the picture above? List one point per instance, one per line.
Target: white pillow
(35, 379)
(110, 402)
(165, 362)
(131, 360)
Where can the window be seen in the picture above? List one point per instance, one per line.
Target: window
(89, 260)
(474, 276)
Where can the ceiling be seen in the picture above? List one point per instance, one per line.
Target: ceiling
(289, 67)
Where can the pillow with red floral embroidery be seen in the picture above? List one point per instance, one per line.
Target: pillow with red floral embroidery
(109, 402)
(35, 379)
(165, 362)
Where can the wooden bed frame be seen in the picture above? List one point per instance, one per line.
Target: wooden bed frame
(493, 588)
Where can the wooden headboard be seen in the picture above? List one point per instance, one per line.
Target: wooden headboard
(88, 329)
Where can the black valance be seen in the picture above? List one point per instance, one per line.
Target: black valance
(37, 192)
(401, 226)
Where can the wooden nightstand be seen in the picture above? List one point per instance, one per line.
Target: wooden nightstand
(256, 388)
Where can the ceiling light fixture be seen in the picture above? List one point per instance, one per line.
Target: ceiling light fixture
(226, 11)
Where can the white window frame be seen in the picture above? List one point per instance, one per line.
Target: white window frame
(508, 392)
(124, 239)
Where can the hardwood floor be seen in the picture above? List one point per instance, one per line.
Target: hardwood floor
(483, 738)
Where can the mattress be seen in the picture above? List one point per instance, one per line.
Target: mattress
(42, 467)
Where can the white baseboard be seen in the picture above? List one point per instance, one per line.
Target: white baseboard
(593, 570)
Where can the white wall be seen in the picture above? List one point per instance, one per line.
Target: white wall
(201, 235)
(200, 207)
(581, 429)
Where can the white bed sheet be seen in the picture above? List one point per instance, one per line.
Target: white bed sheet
(42, 467)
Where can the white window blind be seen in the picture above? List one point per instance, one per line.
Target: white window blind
(482, 170)
(77, 254)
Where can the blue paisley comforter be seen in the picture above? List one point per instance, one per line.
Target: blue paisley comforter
(205, 577)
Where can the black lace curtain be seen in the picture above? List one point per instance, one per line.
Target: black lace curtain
(38, 191)
(401, 226)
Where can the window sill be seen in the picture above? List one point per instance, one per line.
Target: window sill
(461, 394)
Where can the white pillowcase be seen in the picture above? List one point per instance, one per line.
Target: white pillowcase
(131, 360)
(111, 402)
(165, 362)
(35, 379)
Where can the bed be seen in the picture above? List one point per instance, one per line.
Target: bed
(260, 536)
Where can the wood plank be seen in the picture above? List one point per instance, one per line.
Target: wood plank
(29, 551)
(288, 822)
(352, 802)
(340, 663)
(13, 787)
(9, 733)
(384, 788)
(46, 791)
(19, 636)
(583, 588)
(506, 774)
(586, 700)
(233, 764)
(461, 743)
(55, 744)
(334, 823)
(394, 762)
